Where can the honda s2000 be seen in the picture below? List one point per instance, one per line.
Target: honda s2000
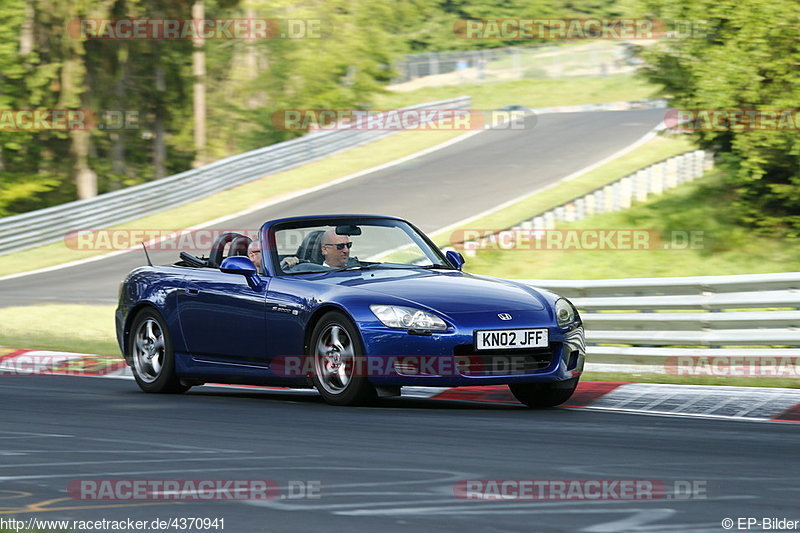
(356, 305)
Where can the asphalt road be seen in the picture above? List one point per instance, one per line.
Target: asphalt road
(390, 468)
(433, 191)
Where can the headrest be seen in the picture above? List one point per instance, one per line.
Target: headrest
(309, 249)
(239, 246)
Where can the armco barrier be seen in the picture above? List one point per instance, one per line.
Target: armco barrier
(27, 230)
(649, 181)
(644, 319)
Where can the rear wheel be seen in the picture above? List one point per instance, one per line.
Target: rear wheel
(151, 352)
(338, 362)
(538, 395)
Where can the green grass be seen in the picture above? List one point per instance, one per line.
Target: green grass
(703, 206)
(540, 201)
(62, 327)
(531, 93)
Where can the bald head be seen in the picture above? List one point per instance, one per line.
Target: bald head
(254, 253)
(331, 242)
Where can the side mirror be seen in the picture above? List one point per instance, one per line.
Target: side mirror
(242, 265)
(455, 259)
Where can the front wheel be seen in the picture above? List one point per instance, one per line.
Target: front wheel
(338, 362)
(151, 352)
(538, 395)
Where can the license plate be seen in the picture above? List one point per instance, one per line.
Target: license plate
(493, 339)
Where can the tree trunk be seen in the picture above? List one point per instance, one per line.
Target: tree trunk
(73, 74)
(159, 133)
(199, 70)
(26, 32)
(85, 178)
(118, 138)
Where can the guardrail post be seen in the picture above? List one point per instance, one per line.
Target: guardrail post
(671, 173)
(626, 191)
(708, 161)
(681, 159)
(698, 164)
(580, 209)
(658, 177)
(643, 178)
(569, 212)
(608, 197)
(591, 204)
(600, 201)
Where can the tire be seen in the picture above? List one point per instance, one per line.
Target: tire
(338, 354)
(152, 357)
(538, 395)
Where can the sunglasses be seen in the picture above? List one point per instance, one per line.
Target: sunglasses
(341, 245)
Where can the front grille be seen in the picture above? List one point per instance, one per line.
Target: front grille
(470, 362)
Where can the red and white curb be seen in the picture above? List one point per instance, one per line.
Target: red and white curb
(718, 402)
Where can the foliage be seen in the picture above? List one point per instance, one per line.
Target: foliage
(740, 56)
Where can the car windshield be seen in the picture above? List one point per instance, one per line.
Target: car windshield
(357, 244)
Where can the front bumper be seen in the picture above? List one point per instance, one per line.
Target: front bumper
(448, 359)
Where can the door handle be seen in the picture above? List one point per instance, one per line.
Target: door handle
(191, 292)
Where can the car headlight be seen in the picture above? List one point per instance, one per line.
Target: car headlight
(565, 314)
(396, 316)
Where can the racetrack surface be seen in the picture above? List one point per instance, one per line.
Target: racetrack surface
(432, 191)
(390, 468)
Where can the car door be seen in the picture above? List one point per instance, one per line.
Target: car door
(223, 319)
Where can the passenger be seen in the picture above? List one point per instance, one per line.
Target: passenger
(254, 253)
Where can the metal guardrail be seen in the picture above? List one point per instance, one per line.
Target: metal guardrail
(644, 318)
(43, 226)
(538, 61)
(652, 180)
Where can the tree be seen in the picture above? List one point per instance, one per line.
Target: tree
(740, 56)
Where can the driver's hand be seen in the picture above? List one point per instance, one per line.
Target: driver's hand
(289, 262)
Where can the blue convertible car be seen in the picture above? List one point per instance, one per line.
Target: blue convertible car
(356, 305)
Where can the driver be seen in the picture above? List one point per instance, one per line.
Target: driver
(335, 251)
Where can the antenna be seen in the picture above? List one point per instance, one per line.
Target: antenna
(147, 255)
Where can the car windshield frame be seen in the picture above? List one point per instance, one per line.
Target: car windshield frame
(415, 235)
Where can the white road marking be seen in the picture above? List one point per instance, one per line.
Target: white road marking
(170, 460)
(632, 523)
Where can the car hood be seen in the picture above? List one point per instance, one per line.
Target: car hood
(445, 291)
